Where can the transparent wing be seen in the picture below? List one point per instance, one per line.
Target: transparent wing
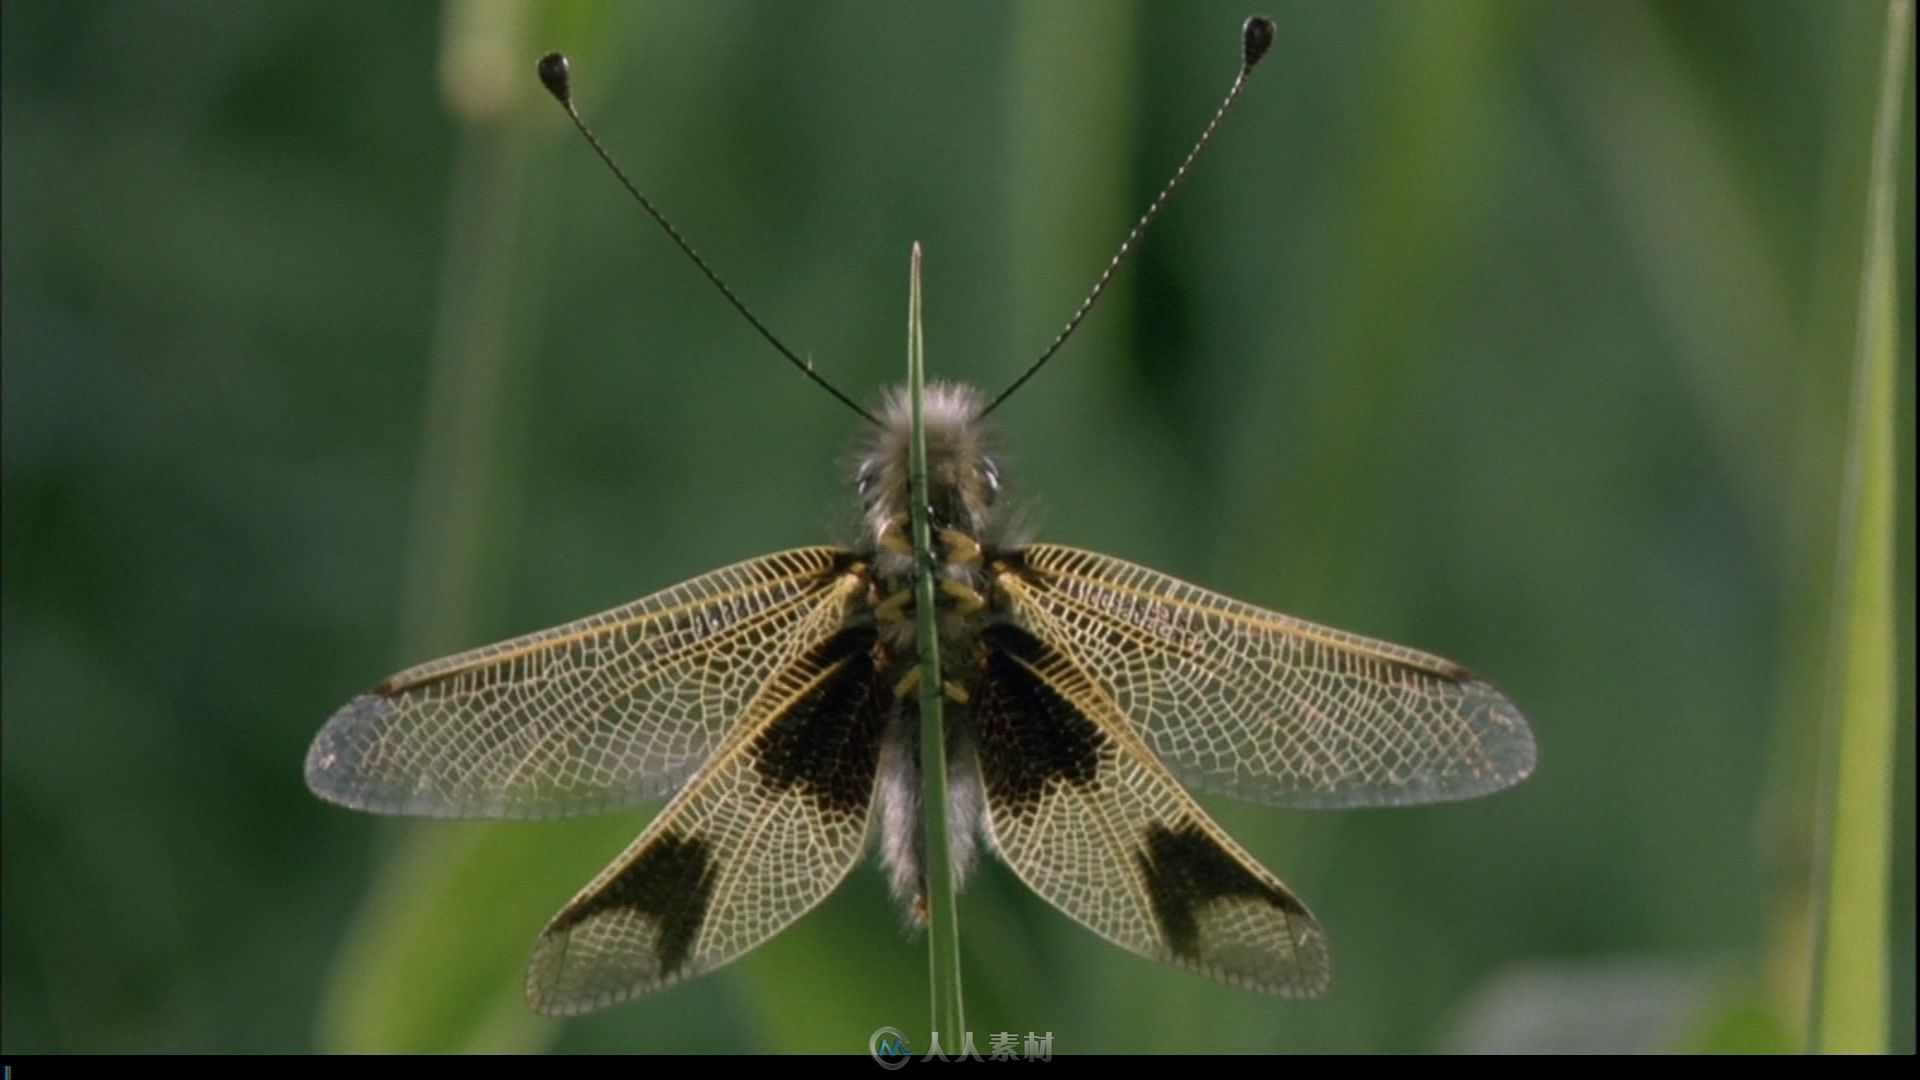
(1084, 813)
(758, 836)
(1262, 706)
(599, 713)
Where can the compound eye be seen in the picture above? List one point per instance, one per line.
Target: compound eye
(863, 480)
(990, 472)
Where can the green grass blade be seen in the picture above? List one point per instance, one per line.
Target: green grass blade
(943, 924)
(1850, 993)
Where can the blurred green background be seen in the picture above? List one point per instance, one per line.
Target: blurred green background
(1521, 332)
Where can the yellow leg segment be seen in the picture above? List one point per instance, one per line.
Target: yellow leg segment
(908, 683)
(969, 599)
(894, 608)
(961, 548)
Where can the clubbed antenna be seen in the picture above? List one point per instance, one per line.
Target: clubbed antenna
(554, 76)
(1255, 38)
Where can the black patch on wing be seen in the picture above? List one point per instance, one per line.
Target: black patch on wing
(827, 743)
(671, 883)
(1031, 738)
(1008, 560)
(844, 561)
(1185, 870)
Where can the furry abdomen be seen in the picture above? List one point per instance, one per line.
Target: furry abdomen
(902, 825)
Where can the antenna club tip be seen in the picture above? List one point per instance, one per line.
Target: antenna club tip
(554, 76)
(1256, 37)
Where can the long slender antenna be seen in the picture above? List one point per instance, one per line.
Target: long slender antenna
(1256, 35)
(554, 76)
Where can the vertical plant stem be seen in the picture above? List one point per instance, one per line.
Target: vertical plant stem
(391, 988)
(1850, 991)
(943, 924)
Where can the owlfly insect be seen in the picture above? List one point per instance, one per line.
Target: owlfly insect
(776, 702)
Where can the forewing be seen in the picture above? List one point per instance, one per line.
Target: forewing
(1082, 811)
(599, 713)
(758, 836)
(1262, 706)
